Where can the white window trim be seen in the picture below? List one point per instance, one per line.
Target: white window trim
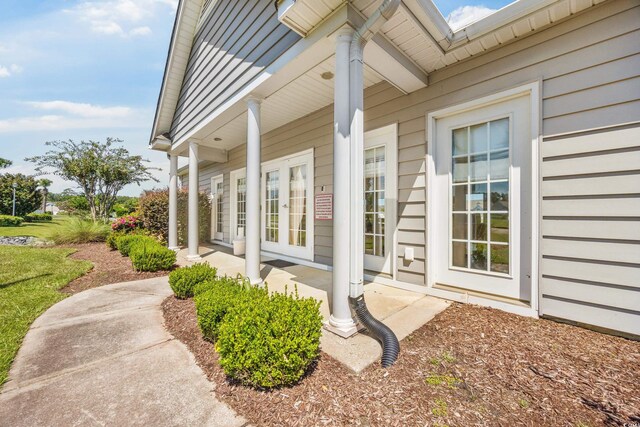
(533, 90)
(391, 192)
(215, 236)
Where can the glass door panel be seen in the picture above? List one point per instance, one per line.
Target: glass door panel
(298, 205)
(374, 201)
(272, 206)
(479, 190)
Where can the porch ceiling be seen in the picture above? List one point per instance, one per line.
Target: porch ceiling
(302, 96)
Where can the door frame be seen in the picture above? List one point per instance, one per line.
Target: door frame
(388, 264)
(533, 91)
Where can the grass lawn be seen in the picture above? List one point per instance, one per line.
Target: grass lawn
(41, 230)
(29, 282)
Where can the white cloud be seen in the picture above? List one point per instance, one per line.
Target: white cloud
(67, 115)
(10, 70)
(121, 17)
(140, 31)
(465, 15)
(81, 109)
(107, 27)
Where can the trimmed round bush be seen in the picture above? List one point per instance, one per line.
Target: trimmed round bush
(10, 221)
(150, 255)
(214, 299)
(125, 242)
(269, 341)
(184, 280)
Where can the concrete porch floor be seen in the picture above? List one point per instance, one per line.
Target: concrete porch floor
(401, 310)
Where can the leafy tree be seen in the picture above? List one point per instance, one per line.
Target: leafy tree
(125, 205)
(4, 163)
(44, 184)
(101, 170)
(75, 205)
(27, 195)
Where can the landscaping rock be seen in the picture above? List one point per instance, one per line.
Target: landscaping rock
(17, 241)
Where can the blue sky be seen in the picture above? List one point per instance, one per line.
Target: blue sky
(79, 69)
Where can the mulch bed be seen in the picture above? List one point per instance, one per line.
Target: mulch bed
(108, 267)
(483, 366)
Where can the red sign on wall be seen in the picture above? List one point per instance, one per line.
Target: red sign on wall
(324, 206)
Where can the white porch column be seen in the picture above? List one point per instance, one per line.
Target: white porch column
(341, 321)
(173, 202)
(252, 235)
(194, 187)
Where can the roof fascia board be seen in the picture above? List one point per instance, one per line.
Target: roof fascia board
(505, 16)
(174, 47)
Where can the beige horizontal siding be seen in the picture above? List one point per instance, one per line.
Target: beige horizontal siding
(590, 248)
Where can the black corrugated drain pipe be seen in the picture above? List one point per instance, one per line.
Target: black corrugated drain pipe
(381, 332)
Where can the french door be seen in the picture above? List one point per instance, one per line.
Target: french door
(481, 200)
(217, 208)
(287, 206)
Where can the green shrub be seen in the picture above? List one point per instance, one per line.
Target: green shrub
(10, 221)
(214, 299)
(78, 230)
(38, 217)
(125, 242)
(183, 280)
(149, 255)
(112, 239)
(154, 212)
(271, 341)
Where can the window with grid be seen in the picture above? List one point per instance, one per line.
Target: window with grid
(241, 198)
(480, 197)
(272, 205)
(219, 206)
(374, 197)
(298, 205)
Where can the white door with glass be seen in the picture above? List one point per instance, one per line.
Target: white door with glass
(380, 198)
(481, 200)
(217, 206)
(287, 206)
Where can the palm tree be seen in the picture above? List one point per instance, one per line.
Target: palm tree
(44, 183)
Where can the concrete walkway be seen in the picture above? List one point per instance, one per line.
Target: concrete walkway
(103, 357)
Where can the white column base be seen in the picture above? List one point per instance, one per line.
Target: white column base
(256, 282)
(344, 328)
(174, 248)
(193, 258)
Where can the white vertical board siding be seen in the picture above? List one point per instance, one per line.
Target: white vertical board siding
(237, 40)
(588, 67)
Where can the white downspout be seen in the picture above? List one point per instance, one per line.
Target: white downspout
(356, 100)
